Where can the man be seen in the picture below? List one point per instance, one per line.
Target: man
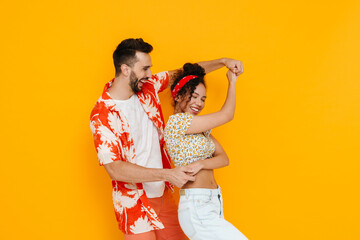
(127, 125)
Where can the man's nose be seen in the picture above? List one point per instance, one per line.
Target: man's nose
(148, 74)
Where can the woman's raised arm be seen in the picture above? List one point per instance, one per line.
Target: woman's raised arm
(206, 122)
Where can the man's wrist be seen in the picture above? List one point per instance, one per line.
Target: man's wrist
(165, 174)
(223, 61)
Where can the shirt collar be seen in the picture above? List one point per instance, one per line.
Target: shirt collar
(106, 98)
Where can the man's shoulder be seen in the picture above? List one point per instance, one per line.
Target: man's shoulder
(163, 74)
(160, 76)
(100, 109)
(157, 82)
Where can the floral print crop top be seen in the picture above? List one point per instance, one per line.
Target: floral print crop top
(186, 148)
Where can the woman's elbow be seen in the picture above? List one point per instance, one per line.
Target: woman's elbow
(226, 161)
(229, 116)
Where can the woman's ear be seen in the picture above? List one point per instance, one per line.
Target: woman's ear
(178, 99)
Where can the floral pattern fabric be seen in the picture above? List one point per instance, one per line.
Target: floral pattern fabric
(186, 148)
(113, 142)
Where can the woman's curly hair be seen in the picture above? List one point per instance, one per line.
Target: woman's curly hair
(189, 87)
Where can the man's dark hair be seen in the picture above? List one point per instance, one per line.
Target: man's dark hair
(126, 50)
(189, 87)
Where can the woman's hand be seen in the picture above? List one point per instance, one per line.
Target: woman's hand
(232, 77)
(193, 168)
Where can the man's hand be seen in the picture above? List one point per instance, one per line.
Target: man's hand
(178, 176)
(234, 66)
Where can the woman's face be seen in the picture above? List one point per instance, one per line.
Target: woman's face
(196, 103)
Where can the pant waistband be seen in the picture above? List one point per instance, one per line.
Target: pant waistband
(200, 191)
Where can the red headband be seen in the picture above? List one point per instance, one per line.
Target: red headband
(180, 84)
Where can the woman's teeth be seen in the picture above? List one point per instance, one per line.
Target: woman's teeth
(194, 109)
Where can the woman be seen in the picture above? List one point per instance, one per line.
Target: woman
(189, 142)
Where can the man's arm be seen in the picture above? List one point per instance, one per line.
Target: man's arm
(233, 65)
(128, 172)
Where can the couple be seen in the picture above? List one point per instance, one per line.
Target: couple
(133, 146)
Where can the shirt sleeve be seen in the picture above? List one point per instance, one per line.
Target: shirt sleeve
(160, 81)
(106, 144)
(177, 125)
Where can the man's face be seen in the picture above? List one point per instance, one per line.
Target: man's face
(140, 72)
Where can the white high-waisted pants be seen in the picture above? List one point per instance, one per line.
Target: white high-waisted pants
(201, 216)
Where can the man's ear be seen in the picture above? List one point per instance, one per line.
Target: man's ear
(125, 69)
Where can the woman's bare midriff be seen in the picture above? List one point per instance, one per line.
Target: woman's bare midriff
(203, 179)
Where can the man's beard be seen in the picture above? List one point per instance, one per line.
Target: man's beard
(134, 82)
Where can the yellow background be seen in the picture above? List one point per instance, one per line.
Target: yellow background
(293, 145)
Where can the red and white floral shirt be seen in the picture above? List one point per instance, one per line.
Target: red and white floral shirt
(113, 142)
